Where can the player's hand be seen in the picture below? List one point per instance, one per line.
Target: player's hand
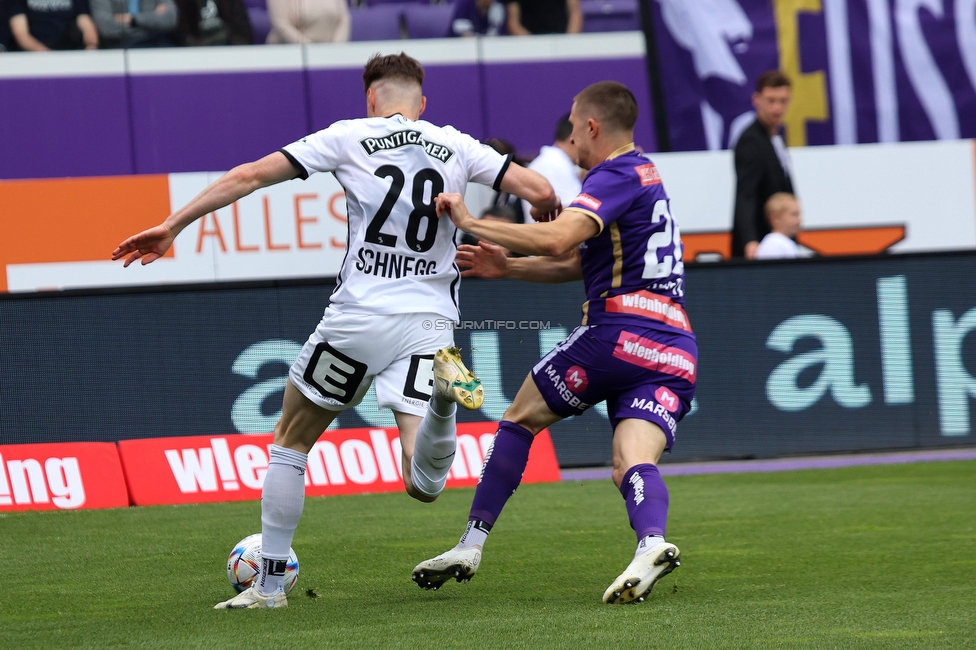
(149, 245)
(548, 215)
(486, 260)
(453, 204)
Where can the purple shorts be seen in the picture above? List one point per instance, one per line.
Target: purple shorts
(642, 373)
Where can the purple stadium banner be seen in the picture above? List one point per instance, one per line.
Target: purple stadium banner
(862, 70)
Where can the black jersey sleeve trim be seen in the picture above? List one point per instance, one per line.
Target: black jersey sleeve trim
(302, 172)
(497, 185)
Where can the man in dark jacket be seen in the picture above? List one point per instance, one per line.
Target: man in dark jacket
(762, 166)
(212, 22)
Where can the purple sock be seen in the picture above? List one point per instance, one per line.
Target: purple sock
(647, 500)
(502, 472)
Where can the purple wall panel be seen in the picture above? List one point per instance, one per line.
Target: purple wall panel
(208, 122)
(64, 127)
(524, 100)
(453, 97)
(335, 95)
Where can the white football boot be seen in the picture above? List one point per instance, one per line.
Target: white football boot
(458, 563)
(251, 598)
(634, 584)
(454, 381)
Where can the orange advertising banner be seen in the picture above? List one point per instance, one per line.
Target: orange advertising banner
(76, 219)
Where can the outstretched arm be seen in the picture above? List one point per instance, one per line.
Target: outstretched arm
(153, 243)
(532, 186)
(21, 33)
(487, 260)
(552, 238)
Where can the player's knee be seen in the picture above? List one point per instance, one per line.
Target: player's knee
(617, 475)
(525, 417)
(525, 422)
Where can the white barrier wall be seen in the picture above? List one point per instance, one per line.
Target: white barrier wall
(908, 197)
(928, 187)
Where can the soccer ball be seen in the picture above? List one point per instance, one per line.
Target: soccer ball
(244, 562)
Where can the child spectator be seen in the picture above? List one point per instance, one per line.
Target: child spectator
(783, 214)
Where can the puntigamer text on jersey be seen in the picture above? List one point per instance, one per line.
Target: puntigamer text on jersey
(406, 138)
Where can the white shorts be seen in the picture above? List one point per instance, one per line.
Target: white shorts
(347, 350)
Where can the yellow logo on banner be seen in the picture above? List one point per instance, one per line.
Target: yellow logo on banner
(809, 102)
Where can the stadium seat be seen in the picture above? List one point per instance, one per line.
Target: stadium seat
(380, 23)
(428, 21)
(373, 3)
(610, 15)
(257, 13)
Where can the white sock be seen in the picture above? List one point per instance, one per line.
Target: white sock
(434, 451)
(474, 535)
(647, 543)
(282, 500)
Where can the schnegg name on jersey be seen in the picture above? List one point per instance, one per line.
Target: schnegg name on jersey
(391, 265)
(406, 138)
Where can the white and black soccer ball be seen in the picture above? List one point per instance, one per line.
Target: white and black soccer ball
(244, 563)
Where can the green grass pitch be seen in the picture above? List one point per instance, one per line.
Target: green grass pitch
(873, 557)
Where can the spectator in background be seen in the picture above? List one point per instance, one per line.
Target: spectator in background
(783, 214)
(502, 213)
(506, 148)
(762, 166)
(212, 22)
(308, 21)
(558, 165)
(40, 25)
(473, 17)
(544, 17)
(134, 23)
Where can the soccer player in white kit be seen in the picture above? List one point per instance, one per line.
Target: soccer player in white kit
(398, 272)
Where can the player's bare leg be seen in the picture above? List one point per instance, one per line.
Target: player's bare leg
(637, 449)
(500, 477)
(429, 444)
(407, 425)
(283, 497)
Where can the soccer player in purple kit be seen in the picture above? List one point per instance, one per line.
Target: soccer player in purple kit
(635, 347)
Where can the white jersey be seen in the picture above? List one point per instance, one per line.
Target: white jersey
(399, 255)
(777, 246)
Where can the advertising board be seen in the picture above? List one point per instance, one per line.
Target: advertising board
(812, 356)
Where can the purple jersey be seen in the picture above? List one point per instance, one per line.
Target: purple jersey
(632, 269)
